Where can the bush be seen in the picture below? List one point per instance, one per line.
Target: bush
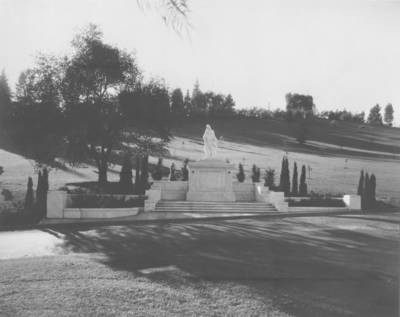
(303, 185)
(125, 176)
(284, 183)
(295, 190)
(255, 176)
(269, 178)
(29, 199)
(185, 170)
(172, 174)
(8, 196)
(1, 170)
(103, 201)
(157, 172)
(241, 176)
(317, 202)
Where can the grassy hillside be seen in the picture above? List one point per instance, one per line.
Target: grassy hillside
(335, 155)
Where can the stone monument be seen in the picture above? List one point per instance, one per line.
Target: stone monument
(210, 179)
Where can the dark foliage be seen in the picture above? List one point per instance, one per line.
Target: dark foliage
(303, 184)
(172, 173)
(125, 176)
(8, 196)
(185, 170)
(375, 116)
(284, 183)
(29, 199)
(241, 176)
(269, 178)
(317, 202)
(360, 183)
(256, 173)
(157, 173)
(138, 183)
(295, 188)
(144, 175)
(105, 201)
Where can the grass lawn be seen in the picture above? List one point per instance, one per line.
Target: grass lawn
(302, 266)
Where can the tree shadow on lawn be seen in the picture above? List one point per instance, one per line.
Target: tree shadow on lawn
(305, 269)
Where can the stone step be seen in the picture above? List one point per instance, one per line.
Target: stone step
(210, 207)
(229, 204)
(214, 206)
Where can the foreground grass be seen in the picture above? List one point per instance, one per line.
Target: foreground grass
(322, 266)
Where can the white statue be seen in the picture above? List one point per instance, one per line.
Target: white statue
(210, 142)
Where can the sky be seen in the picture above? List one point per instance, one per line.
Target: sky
(346, 54)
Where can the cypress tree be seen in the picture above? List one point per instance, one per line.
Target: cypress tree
(172, 174)
(144, 174)
(360, 183)
(241, 176)
(303, 185)
(138, 183)
(295, 189)
(29, 199)
(125, 176)
(281, 177)
(185, 170)
(365, 198)
(373, 189)
(286, 176)
(44, 192)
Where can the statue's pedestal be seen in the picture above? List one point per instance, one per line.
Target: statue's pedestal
(210, 180)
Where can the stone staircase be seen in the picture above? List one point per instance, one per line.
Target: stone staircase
(214, 207)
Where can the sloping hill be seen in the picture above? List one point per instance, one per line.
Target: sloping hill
(333, 156)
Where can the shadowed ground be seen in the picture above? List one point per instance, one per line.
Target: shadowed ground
(304, 266)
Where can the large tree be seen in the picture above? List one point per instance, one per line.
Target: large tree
(36, 125)
(5, 97)
(94, 77)
(388, 117)
(199, 100)
(299, 106)
(177, 103)
(375, 116)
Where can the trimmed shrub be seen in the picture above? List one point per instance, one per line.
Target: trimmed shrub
(360, 183)
(373, 189)
(269, 178)
(255, 176)
(241, 176)
(29, 199)
(295, 188)
(303, 185)
(185, 170)
(172, 174)
(125, 176)
(317, 202)
(138, 183)
(144, 174)
(284, 183)
(157, 172)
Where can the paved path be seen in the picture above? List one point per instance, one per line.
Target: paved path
(305, 266)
